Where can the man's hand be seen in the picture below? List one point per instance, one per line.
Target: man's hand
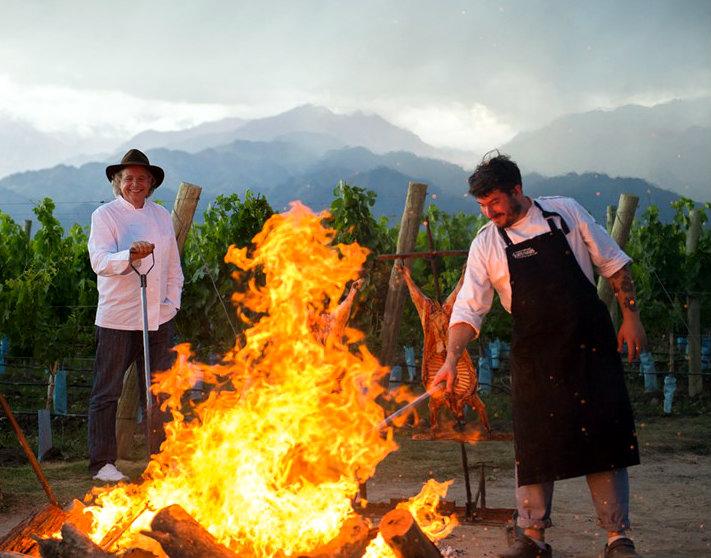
(445, 375)
(632, 332)
(140, 249)
(457, 338)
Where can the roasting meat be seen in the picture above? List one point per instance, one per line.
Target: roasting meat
(434, 318)
(333, 324)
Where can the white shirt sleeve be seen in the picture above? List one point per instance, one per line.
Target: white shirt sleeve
(174, 286)
(106, 258)
(477, 294)
(605, 253)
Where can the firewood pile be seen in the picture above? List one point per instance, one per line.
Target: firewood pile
(181, 536)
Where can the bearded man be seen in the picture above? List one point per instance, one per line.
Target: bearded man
(571, 411)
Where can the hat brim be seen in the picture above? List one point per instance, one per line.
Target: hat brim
(156, 172)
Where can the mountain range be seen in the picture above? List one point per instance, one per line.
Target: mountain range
(304, 152)
(667, 144)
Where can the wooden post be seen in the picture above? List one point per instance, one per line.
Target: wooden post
(409, 226)
(694, 311)
(611, 210)
(620, 233)
(670, 379)
(28, 228)
(433, 263)
(183, 211)
(126, 414)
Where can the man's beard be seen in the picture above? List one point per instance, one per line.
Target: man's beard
(514, 213)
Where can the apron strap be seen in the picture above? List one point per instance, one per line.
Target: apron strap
(505, 236)
(548, 216)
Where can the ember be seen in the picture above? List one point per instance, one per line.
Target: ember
(270, 462)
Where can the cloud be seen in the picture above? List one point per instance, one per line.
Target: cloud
(91, 112)
(116, 115)
(472, 127)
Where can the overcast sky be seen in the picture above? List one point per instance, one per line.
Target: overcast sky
(464, 74)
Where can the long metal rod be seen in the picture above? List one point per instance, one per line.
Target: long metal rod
(407, 408)
(467, 482)
(146, 353)
(422, 254)
(28, 452)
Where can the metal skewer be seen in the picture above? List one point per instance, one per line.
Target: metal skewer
(407, 408)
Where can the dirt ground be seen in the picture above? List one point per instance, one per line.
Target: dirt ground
(670, 503)
(670, 492)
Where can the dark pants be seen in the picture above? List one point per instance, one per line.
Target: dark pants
(116, 350)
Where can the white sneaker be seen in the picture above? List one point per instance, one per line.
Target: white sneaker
(109, 473)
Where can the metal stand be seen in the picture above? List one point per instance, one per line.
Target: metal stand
(480, 513)
(474, 511)
(469, 507)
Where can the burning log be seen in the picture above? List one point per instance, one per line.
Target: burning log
(183, 537)
(136, 553)
(13, 555)
(73, 544)
(351, 542)
(119, 529)
(48, 520)
(404, 536)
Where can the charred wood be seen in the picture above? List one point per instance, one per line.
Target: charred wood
(351, 542)
(183, 537)
(73, 544)
(404, 536)
(46, 521)
(137, 553)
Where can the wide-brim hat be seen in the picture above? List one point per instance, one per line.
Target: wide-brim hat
(136, 158)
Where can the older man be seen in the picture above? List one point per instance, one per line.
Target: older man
(130, 230)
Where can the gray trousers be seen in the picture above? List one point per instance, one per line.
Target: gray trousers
(609, 490)
(115, 351)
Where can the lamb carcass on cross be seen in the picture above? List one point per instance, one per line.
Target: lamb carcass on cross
(434, 318)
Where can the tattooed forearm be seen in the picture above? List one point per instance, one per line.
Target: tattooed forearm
(623, 286)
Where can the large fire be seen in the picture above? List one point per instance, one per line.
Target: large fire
(271, 461)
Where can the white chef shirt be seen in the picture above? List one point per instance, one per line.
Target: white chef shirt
(488, 271)
(114, 227)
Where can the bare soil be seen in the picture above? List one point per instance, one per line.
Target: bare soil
(670, 491)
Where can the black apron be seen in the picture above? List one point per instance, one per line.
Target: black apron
(571, 411)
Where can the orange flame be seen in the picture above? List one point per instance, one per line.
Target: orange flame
(423, 508)
(270, 461)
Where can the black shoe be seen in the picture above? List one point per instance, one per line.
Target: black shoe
(621, 548)
(525, 547)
